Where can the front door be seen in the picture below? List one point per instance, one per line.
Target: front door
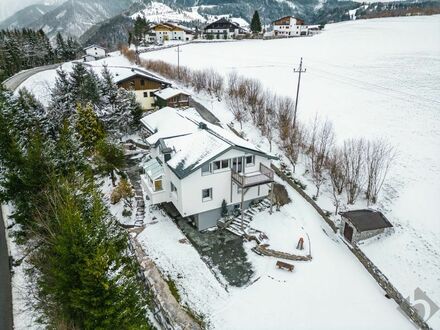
(348, 232)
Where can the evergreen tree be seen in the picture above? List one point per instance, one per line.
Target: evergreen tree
(84, 85)
(87, 276)
(109, 158)
(256, 23)
(88, 126)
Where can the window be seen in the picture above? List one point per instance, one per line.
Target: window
(167, 157)
(225, 163)
(145, 94)
(207, 194)
(237, 164)
(142, 82)
(173, 187)
(206, 169)
(250, 160)
(158, 185)
(216, 165)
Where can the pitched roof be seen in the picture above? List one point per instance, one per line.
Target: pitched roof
(221, 22)
(153, 169)
(364, 220)
(122, 73)
(92, 46)
(169, 92)
(193, 140)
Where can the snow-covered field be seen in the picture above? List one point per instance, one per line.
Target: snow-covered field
(373, 78)
(333, 291)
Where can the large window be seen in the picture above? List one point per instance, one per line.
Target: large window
(207, 194)
(237, 164)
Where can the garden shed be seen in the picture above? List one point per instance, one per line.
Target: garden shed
(358, 225)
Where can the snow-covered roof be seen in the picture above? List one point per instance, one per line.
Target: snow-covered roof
(165, 123)
(94, 46)
(169, 92)
(193, 140)
(122, 73)
(153, 169)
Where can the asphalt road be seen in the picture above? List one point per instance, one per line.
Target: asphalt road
(5, 281)
(13, 82)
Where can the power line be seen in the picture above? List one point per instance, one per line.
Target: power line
(178, 50)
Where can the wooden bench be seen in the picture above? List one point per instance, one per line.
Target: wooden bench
(285, 265)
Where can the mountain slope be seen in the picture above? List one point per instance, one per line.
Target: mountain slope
(28, 14)
(109, 33)
(74, 17)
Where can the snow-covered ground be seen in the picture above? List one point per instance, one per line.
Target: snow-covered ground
(158, 12)
(333, 291)
(372, 78)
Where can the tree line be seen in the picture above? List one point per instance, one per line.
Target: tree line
(356, 166)
(51, 161)
(26, 48)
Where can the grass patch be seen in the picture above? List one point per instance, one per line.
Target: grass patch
(173, 288)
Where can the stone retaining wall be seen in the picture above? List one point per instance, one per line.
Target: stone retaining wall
(166, 310)
(282, 255)
(391, 291)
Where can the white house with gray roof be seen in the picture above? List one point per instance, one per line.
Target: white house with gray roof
(196, 165)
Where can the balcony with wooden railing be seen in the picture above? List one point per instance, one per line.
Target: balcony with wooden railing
(245, 180)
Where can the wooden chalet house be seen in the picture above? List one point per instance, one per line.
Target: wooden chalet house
(143, 83)
(223, 29)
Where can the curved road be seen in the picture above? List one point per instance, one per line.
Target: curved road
(16, 80)
(5, 281)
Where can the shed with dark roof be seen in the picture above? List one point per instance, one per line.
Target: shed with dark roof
(358, 225)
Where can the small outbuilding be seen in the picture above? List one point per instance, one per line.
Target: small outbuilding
(171, 97)
(358, 225)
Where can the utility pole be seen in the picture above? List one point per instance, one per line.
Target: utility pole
(178, 61)
(299, 71)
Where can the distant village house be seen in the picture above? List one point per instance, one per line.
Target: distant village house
(168, 31)
(223, 29)
(289, 26)
(94, 52)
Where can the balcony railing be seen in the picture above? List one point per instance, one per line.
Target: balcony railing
(264, 175)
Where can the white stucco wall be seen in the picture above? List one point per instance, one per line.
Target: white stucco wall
(145, 102)
(95, 51)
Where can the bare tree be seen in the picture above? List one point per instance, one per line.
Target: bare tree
(285, 105)
(294, 143)
(267, 118)
(254, 100)
(337, 176)
(379, 157)
(353, 158)
(321, 141)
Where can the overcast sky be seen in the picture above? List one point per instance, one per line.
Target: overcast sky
(9, 7)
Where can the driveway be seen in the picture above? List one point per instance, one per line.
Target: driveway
(5, 281)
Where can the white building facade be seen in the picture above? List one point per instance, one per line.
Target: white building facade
(196, 166)
(95, 51)
(289, 26)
